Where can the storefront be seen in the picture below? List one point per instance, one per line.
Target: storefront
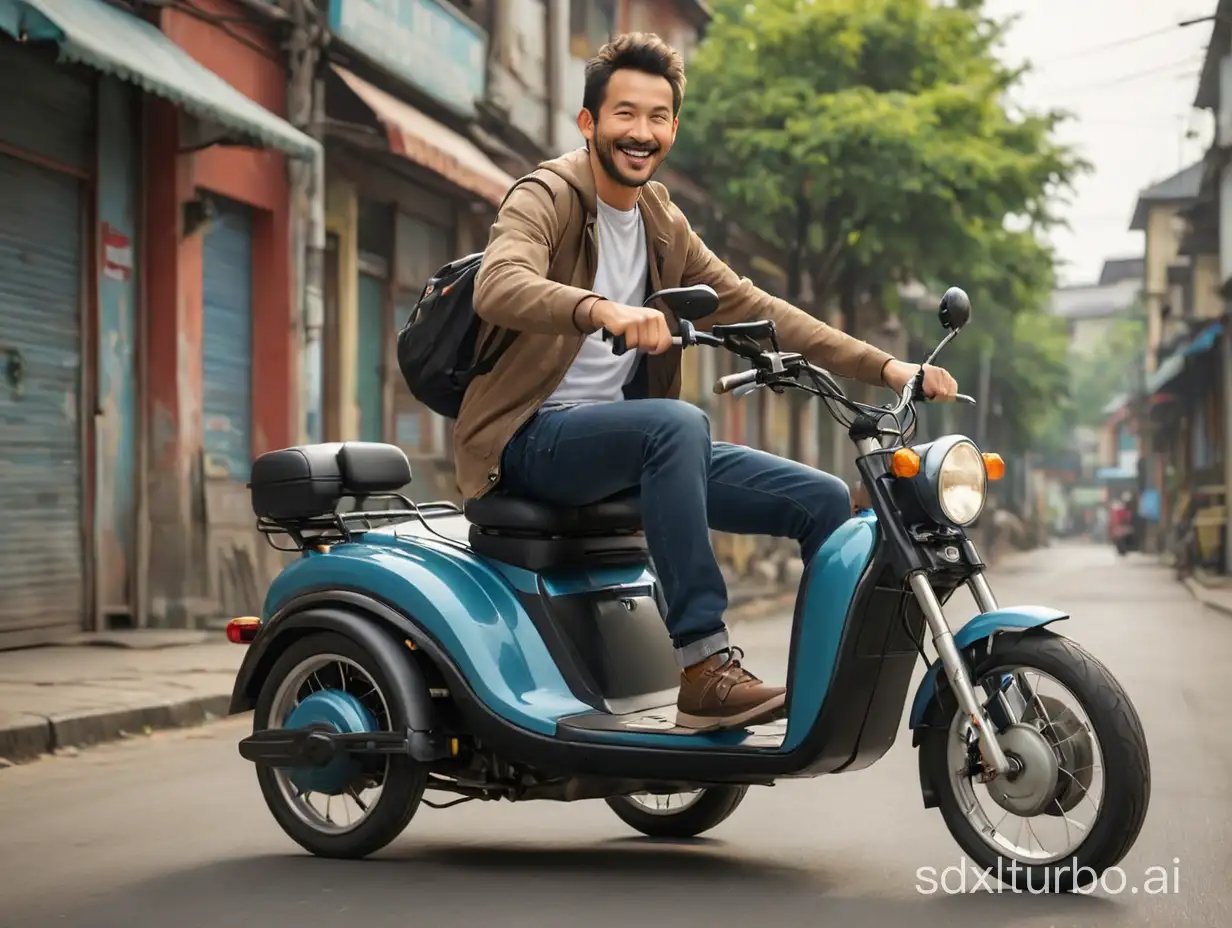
(47, 172)
(102, 160)
(407, 192)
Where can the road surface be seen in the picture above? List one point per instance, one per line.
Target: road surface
(170, 831)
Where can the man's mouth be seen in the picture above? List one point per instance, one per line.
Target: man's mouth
(638, 155)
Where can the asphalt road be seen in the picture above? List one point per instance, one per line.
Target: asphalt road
(171, 832)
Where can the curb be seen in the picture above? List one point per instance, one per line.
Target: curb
(1198, 591)
(29, 740)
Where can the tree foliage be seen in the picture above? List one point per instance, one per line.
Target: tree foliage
(872, 141)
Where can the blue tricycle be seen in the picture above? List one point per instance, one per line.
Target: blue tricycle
(512, 650)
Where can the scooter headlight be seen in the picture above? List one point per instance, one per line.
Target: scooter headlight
(962, 483)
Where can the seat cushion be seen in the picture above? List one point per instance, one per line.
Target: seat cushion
(497, 512)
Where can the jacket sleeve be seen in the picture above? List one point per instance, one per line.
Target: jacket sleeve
(512, 289)
(741, 301)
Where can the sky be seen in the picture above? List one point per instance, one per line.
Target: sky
(1129, 74)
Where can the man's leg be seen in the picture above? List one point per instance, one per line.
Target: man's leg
(580, 455)
(753, 492)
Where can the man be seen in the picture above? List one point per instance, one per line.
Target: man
(563, 420)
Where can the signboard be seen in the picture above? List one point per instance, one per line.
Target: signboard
(425, 42)
(117, 253)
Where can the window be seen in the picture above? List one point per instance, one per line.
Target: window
(591, 23)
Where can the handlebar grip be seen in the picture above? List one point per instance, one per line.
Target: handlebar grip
(618, 342)
(731, 382)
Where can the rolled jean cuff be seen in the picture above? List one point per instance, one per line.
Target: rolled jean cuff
(696, 651)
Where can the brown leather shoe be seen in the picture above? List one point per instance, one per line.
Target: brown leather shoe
(720, 693)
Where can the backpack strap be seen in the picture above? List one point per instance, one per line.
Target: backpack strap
(569, 218)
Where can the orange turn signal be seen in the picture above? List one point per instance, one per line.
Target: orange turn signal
(243, 629)
(995, 466)
(905, 463)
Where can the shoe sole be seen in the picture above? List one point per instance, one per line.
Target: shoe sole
(762, 712)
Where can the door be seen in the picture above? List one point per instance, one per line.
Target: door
(227, 342)
(41, 545)
(47, 131)
(369, 381)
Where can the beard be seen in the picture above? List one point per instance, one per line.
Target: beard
(611, 153)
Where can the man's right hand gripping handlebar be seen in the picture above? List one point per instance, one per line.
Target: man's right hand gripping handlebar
(632, 327)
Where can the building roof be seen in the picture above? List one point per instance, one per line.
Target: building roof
(1181, 187)
(1119, 269)
(1094, 301)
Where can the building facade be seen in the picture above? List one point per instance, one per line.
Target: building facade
(121, 294)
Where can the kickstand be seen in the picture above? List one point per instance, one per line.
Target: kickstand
(447, 805)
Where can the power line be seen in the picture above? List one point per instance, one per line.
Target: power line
(1135, 76)
(1115, 43)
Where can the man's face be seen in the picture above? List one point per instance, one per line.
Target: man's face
(636, 127)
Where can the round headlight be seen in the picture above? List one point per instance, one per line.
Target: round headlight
(962, 484)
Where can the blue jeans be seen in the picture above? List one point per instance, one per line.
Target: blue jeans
(689, 484)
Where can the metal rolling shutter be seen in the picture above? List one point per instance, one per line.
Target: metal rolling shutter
(41, 550)
(227, 342)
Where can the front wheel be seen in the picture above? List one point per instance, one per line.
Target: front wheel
(353, 806)
(1079, 800)
(678, 815)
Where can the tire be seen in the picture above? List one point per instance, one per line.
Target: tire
(1125, 762)
(404, 782)
(710, 809)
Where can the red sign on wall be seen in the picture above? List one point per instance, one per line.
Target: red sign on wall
(117, 253)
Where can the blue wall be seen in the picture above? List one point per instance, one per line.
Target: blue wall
(116, 427)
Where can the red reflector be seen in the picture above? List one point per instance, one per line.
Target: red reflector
(243, 630)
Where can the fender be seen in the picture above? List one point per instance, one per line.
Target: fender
(374, 634)
(982, 627)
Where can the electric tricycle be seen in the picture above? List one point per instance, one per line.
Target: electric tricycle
(507, 649)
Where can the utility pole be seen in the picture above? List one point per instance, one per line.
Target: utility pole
(985, 397)
(306, 111)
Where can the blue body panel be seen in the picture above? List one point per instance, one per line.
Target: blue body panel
(1012, 618)
(470, 606)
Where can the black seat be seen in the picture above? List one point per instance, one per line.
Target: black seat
(538, 536)
(309, 480)
(499, 513)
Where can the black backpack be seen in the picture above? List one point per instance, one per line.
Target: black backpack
(439, 352)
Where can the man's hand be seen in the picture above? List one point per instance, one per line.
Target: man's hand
(938, 384)
(642, 327)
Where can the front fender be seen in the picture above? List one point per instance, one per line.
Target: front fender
(983, 626)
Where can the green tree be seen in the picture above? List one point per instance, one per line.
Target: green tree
(872, 142)
(1112, 368)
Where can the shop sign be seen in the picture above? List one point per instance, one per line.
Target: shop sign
(425, 42)
(117, 253)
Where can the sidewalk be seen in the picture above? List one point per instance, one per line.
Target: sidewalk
(1211, 591)
(98, 688)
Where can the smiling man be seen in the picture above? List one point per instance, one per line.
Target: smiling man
(563, 420)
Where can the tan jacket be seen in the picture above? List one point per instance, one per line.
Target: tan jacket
(526, 285)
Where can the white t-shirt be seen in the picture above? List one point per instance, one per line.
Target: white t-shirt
(597, 375)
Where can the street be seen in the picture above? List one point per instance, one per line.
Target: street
(170, 830)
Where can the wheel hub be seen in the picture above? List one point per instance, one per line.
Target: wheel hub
(1071, 742)
(336, 712)
(1028, 790)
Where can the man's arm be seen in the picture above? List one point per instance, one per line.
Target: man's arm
(512, 289)
(742, 301)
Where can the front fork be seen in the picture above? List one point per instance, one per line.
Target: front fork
(995, 762)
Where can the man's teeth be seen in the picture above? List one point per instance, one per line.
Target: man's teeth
(637, 153)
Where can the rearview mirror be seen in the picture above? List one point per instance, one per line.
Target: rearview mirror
(955, 309)
(690, 303)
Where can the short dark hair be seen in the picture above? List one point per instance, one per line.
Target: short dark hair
(637, 51)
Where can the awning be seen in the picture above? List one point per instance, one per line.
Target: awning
(104, 37)
(428, 143)
(1205, 340)
(1167, 371)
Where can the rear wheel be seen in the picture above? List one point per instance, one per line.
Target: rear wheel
(1079, 801)
(678, 815)
(353, 806)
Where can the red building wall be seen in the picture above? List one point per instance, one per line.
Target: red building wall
(251, 62)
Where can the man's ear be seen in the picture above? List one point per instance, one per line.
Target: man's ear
(586, 125)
